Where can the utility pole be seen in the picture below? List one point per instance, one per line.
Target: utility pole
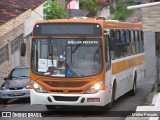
(114, 5)
(69, 10)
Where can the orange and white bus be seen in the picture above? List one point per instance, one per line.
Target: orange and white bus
(85, 62)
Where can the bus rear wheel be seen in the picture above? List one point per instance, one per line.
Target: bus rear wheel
(133, 91)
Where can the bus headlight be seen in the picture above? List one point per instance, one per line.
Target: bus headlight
(38, 88)
(96, 88)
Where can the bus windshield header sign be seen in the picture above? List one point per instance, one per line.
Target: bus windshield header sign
(67, 29)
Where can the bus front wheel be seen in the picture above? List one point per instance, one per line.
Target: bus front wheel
(3, 101)
(109, 105)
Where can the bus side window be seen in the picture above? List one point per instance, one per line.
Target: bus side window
(112, 44)
(123, 43)
(118, 44)
(133, 42)
(107, 52)
(128, 42)
(140, 42)
(142, 38)
(137, 41)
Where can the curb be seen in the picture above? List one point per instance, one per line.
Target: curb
(154, 108)
(2, 106)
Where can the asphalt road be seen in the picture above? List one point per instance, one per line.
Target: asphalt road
(120, 106)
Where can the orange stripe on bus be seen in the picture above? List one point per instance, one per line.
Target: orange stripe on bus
(127, 64)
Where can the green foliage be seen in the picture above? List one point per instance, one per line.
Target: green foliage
(53, 10)
(122, 13)
(90, 5)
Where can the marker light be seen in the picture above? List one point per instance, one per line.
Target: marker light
(38, 88)
(3, 88)
(96, 87)
(27, 87)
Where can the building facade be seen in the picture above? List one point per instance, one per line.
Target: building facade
(13, 32)
(11, 37)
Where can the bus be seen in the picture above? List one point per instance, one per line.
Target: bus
(85, 62)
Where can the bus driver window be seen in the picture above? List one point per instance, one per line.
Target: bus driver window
(107, 52)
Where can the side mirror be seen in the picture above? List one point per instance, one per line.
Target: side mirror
(23, 49)
(5, 78)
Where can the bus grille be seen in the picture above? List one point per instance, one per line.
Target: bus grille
(57, 91)
(62, 98)
(70, 91)
(65, 84)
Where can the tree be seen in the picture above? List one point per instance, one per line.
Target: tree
(90, 5)
(53, 10)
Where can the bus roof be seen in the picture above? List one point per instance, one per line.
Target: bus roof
(107, 23)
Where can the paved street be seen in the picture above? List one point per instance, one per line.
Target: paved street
(125, 103)
(28, 26)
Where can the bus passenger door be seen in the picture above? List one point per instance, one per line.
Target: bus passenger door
(108, 67)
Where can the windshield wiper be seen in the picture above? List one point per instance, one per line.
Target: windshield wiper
(23, 76)
(14, 77)
(77, 46)
(50, 49)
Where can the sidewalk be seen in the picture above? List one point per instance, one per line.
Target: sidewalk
(151, 104)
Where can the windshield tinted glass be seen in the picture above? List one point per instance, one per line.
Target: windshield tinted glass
(132, 20)
(20, 73)
(76, 57)
(67, 29)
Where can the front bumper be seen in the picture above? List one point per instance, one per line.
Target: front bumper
(14, 94)
(49, 99)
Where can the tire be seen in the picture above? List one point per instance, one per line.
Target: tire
(109, 105)
(133, 91)
(4, 101)
(50, 107)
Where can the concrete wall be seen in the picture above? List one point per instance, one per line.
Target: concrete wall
(36, 14)
(150, 54)
(151, 18)
(151, 24)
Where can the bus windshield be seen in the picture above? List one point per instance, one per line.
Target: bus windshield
(67, 57)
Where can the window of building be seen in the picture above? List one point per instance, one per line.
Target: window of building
(3, 54)
(15, 45)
